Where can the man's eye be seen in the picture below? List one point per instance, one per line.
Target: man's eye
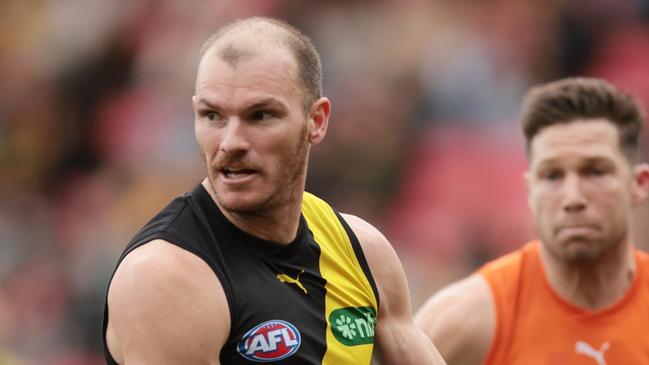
(552, 175)
(261, 115)
(212, 116)
(595, 171)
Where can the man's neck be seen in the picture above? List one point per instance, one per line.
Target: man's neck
(278, 225)
(592, 286)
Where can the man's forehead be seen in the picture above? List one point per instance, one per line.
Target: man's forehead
(247, 39)
(232, 61)
(580, 140)
(238, 50)
(233, 54)
(577, 133)
(256, 50)
(254, 73)
(584, 135)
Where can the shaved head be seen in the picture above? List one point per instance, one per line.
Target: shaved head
(245, 39)
(233, 55)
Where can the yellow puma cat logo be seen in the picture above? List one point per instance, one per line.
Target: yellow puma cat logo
(287, 279)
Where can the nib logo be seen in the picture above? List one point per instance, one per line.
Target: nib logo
(346, 327)
(353, 326)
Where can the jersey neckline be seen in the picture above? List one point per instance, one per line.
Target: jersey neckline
(585, 312)
(244, 240)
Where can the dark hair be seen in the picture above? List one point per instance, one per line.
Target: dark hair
(569, 99)
(308, 60)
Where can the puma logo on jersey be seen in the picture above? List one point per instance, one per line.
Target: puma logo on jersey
(584, 348)
(287, 279)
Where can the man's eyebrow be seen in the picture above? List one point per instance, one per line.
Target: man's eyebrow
(265, 103)
(596, 159)
(547, 162)
(259, 104)
(588, 160)
(207, 103)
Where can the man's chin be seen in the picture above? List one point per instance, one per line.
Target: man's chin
(580, 250)
(241, 206)
(581, 256)
(235, 200)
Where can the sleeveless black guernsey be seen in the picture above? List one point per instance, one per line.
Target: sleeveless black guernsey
(313, 301)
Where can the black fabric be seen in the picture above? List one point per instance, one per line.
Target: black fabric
(247, 268)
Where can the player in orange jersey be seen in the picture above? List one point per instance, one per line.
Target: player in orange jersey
(580, 293)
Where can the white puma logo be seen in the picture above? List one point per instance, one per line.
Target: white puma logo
(583, 348)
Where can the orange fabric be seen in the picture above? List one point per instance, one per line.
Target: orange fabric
(534, 326)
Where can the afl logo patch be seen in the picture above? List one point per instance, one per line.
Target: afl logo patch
(270, 341)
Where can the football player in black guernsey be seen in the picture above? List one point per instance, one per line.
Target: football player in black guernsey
(248, 267)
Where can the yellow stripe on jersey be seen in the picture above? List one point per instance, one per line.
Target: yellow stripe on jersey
(350, 304)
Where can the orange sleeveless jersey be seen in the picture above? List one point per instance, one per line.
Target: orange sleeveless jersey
(534, 326)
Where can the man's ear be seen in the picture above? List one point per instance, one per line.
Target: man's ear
(195, 107)
(640, 183)
(318, 120)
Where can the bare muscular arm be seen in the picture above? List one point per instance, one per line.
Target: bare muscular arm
(166, 306)
(398, 340)
(460, 320)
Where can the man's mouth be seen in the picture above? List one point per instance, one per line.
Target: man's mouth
(235, 174)
(577, 228)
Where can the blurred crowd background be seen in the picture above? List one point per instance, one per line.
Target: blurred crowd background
(96, 132)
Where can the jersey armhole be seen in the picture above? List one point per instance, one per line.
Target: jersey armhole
(176, 241)
(497, 333)
(505, 276)
(218, 273)
(360, 256)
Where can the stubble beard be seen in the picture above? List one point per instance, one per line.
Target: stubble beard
(287, 186)
(590, 252)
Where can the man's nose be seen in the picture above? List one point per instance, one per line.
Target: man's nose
(573, 196)
(234, 138)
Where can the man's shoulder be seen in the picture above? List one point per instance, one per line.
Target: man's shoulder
(381, 257)
(157, 287)
(460, 320)
(508, 264)
(174, 213)
(159, 251)
(642, 256)
(178, 222)
(642, 260)
(454, 304)
(159, 264)
(367, 234)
